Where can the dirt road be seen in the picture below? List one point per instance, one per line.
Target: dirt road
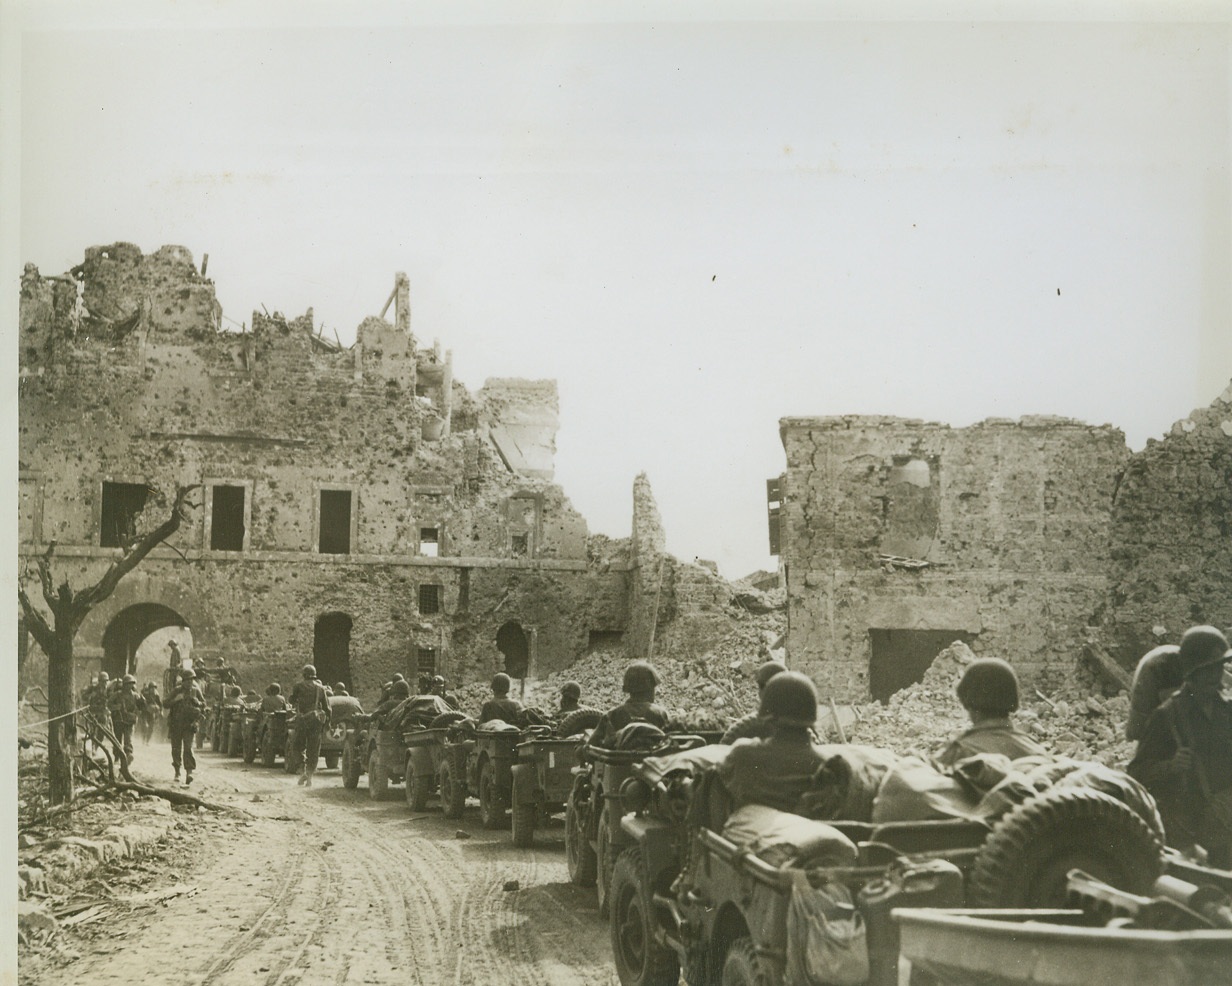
(325, 886)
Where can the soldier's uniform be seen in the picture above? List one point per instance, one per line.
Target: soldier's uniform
(311, 706)
(97, 699)
(185, 705)
(126, 705)
(152, 711)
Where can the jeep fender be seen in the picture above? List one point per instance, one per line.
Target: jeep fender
(420, 759)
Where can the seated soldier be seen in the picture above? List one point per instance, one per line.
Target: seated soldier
(1157, 677)
(340, 688)
(438, 687)
(273, 700)
(500, 705)
(778, 770)
(570, 694)
(639, 684)
(234, 696)
(989, 692)
(399, 692)
(754, 726)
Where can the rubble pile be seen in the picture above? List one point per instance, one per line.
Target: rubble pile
(1073, 721)
(708, 692)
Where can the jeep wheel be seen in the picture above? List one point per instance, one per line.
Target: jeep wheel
(579, 856)
(523, 811)
(604, 863)
(378, 780)
(453, 793)
(350, 767)
(578, 720)
(267, 750)
(491, 804)
(331, 761)
(741, 967)
(250, 746)
(1025, 860)
(640, 960)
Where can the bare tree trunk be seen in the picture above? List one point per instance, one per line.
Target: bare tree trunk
(61, 732)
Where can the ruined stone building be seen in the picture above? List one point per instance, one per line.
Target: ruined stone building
(1026, 539)
(359, 507)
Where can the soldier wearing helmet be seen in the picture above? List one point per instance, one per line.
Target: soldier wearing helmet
(152, 711)
(311, 706)
(439, 687)
(125, 705)
(273, 700)
(398, 692)
(186, 703)
(570, 696)
(1185, 755)
(500, 705)
(639, 684)
(988, 690)
(754, 725)
(778, 770)
(97, 701)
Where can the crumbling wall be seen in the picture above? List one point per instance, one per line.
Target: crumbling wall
(1171, 536)
(997, 533)
(126, 377)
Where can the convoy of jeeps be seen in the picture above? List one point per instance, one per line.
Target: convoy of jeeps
(1051, 872)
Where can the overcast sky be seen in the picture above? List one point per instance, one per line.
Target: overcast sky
(696, 225)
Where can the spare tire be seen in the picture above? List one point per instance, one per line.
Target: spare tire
(1024, 862)
(578, 720)
(446, 719)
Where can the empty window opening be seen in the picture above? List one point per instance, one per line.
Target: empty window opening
(899, 658)
(604, 640)
(425, 660)
(429, 599)
(335, 534)
(122, 505)
(520, 543)
(227, 518)
(511, 641)
(429, 542)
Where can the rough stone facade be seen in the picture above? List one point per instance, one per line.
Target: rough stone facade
(1171, 557)
(359, 505)
(900, 536)
(1025, 539)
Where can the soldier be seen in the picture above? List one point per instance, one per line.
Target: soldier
(126, 705)
(185, 704)
(1157, 677)
(988, 691)
(152, 712)
(639, 684)
(273, 700)
(778, 770)
(311, 713)
(438, 688)
(754, 725)
(398, 692)
(98, 698)
(252, 699)
(340, 688)
(500, 705)
(570, 696)
(234, 697)
(1185, 755)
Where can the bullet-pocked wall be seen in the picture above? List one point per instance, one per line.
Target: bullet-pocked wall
(900, 536)
(355, 503)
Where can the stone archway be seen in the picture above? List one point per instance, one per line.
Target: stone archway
(512, 642)
(126, 631)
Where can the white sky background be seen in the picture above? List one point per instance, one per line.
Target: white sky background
(695, 226)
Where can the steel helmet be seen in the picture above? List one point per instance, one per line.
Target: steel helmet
(400, 689)
(640, 677)
(1202, 646)
(308, 671)
(767, 671)
(104, 676)
(501, 683)
(571, 689)
(130, 679)
(989, 685)
(789, 699)
(398, 677)
(188, 673)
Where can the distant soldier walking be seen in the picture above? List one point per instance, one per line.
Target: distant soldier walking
(126, 705)
(152, 711)
(311, 706)
(97, 701)
(186, 704)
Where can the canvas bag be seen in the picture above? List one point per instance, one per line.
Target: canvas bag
(827, 942)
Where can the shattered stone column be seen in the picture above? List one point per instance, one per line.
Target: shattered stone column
(402, 302)
(650, 575)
